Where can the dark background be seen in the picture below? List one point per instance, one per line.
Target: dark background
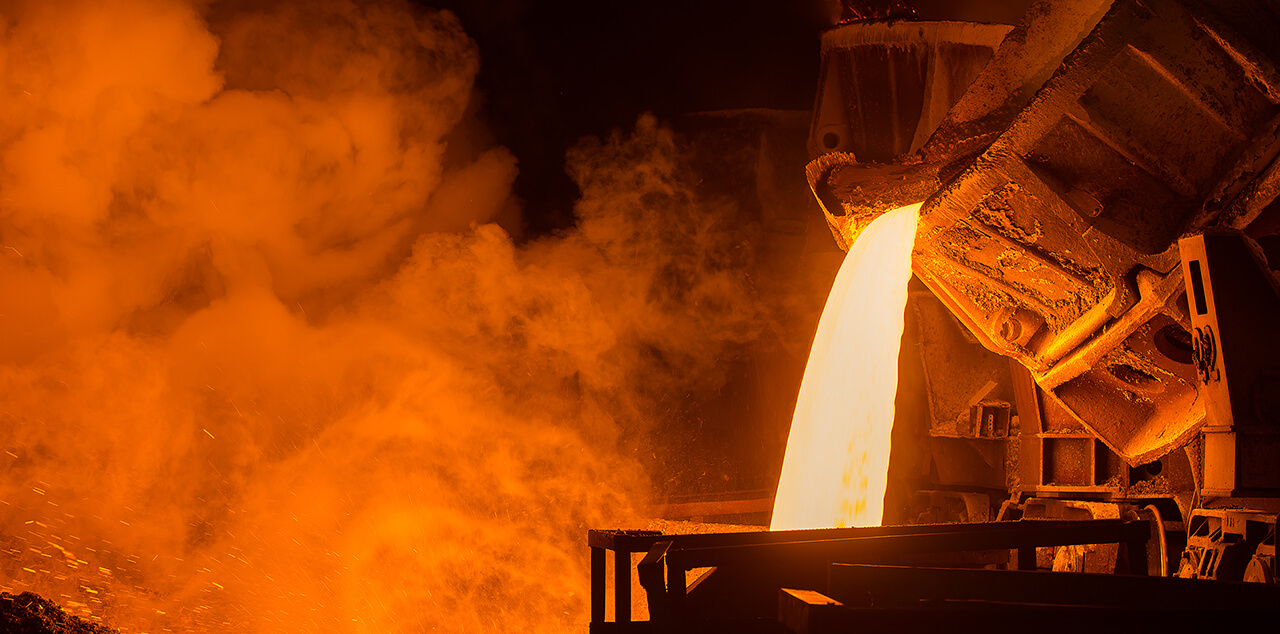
(555, 71)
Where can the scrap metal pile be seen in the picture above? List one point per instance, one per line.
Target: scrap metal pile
(28, 613)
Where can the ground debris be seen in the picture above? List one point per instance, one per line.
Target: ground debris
(29, 613)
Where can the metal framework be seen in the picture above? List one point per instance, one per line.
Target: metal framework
(750, 568)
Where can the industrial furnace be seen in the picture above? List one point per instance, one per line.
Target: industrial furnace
(1094, 323)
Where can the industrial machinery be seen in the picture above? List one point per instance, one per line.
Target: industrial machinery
(1094, 325)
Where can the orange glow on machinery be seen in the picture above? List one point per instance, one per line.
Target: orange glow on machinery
(837, 461)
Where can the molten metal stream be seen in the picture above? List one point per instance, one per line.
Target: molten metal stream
(837, 460)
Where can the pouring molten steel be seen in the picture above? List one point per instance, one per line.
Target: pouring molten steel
(837, 461)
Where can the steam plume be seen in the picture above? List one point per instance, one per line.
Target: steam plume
(266, 362)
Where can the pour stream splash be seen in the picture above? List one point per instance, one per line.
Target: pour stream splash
(837, 461)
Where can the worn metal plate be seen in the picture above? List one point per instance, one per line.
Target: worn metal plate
(1057, 246)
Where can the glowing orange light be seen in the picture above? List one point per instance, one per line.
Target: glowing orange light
(837, 461)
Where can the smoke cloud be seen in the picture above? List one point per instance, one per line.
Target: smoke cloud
(270, 359)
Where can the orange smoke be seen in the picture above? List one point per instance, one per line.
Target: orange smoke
(266, 367)
(837, 462)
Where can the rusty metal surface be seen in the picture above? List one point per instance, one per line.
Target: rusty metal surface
(1235, 307)
(1057, 247)
(859, 177)
(883, 88)
(1222, 543)
(1027, 57)
(959, 373)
